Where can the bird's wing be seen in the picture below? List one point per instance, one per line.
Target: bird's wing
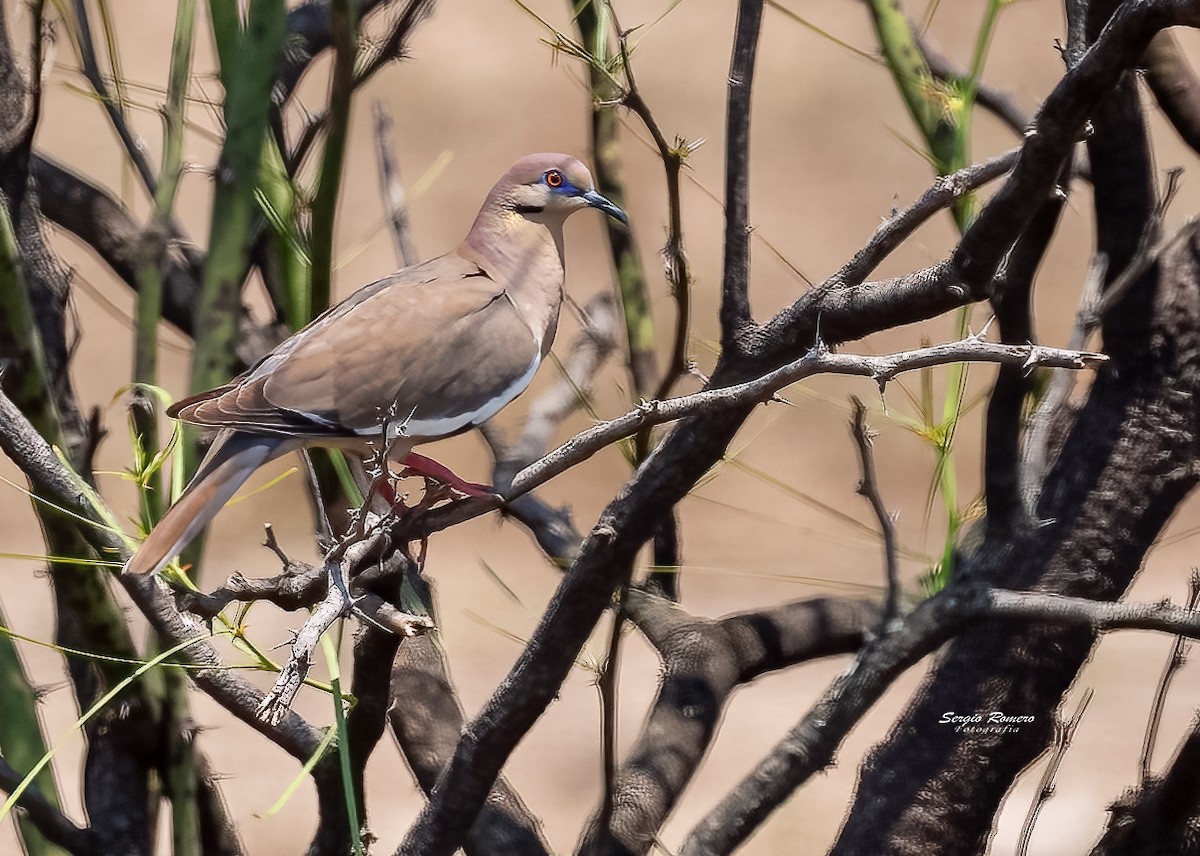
(433, 349)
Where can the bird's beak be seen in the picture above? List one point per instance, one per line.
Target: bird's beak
(596, 200)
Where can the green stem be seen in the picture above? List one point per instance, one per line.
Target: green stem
(324, 210)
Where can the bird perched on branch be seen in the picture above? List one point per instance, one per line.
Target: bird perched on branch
(420, 355)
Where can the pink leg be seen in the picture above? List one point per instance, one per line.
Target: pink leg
(419, 465)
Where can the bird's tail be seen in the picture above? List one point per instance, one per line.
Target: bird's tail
(229, 462)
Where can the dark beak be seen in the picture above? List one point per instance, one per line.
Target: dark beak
(595, 200)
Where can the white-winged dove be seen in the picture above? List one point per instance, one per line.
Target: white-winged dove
(420, 355)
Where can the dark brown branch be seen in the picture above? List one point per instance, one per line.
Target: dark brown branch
(703, 662)
(670, 471)
(735, 275)
(310, 33)
(1057, 127)
(298, 587)
(393, 48)
(868, 486)
(427, 721)
(1175, 86)
(1012, 300)
(1162, 815)
(1127, 463)
(106, 226)
(808, 748)
(944, 192)
(47, 817)
(41, 466)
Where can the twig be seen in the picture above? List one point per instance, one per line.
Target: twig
(868, 487)
(1096, 299)
(342, 559)
(134, 147)
(391, 189)
(393, 48)
(1064, 733)
(674, 259)
(1174, 662)
(881, 369)
(298, 587)
(47, 817)
(944, 192)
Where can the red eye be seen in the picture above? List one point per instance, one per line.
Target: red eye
(554, 178)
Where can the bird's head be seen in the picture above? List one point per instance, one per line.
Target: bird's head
(551, 187)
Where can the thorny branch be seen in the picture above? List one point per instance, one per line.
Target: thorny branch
(26, 448)
(338, 602)
(881, 369)
(808, 748)
(868, 486)
(47, 817)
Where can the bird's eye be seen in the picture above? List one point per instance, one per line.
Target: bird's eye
(554, 178)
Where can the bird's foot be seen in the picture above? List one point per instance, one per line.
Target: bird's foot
(419, 465)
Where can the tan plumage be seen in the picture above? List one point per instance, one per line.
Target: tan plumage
(425, 353)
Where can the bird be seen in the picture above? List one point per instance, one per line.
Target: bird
(423, 354)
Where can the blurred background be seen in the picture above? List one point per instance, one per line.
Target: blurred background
(833, 152)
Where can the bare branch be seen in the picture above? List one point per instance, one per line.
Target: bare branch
(1175, 86)
(337, 603)
(37, 460)
(47, 817)
(1012, 299)
(704, 661)
(809, 746)
(393, 48)
(391, 189)
(1174, 664)
(869, 488)
(427, 720)
(1064, 733)
(944, 192)
(735, 276)
(881, 369)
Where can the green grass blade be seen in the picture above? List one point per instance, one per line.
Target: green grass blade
(343, 743)
(87, 715)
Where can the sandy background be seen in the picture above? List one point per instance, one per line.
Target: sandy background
(828, 162)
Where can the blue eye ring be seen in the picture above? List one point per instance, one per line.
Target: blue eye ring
(554, 178)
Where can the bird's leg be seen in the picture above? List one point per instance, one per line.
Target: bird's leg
(419, 465)
(386, 489)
